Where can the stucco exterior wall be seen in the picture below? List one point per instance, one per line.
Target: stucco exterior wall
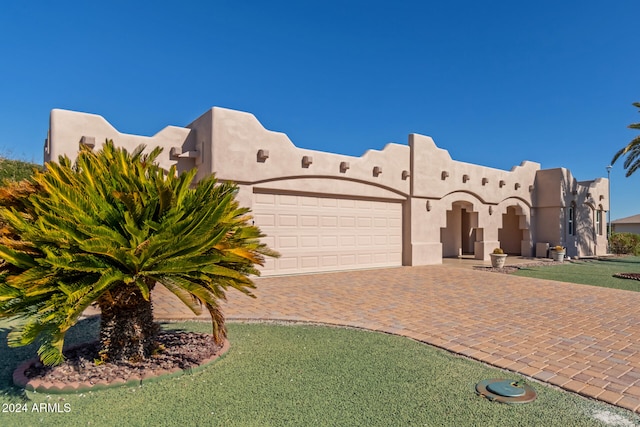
(559, 193)
(448, 207)
(68, 130)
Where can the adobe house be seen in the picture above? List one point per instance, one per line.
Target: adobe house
(404, 205)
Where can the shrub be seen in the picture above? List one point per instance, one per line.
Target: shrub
(16, 170)
(625, 243)
(498, 251)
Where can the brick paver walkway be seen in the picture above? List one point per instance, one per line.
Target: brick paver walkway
(584, 339)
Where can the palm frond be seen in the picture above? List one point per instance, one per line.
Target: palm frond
(631, 150)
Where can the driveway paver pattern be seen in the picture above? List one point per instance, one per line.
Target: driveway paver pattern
(584, 339)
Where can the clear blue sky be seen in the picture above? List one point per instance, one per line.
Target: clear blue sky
(494, 83)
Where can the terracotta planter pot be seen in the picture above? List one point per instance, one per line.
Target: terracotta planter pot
(498, 260)
(557, 255)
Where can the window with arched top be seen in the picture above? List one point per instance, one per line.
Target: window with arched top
(571, 219)
(599, 228)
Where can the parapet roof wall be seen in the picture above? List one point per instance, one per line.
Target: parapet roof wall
(237, 147)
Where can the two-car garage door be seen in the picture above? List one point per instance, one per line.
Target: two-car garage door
(316, 234)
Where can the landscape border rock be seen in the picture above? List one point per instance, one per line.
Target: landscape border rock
(631, 276)
(134, 376)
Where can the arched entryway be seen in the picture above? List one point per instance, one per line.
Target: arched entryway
(512, 233)
(460, 234)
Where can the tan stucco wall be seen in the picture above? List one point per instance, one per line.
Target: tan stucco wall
(67, 129)
(433, 188)
(557, 191)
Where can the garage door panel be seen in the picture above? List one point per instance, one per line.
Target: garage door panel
(395, 240)
(380, 222)
(328, 234)
(309, 242)
(347, 221)
(380, 257)
(365, 240)
(309, 220)
(348, 259)
(395, 223)
(365, 259)
(327, 202)
(309, 201)
(329, 221)
(286, 200)
(329, 261)
(380, 240)
(287, 263)
(365, 221)
(286, 242)
(288, 220)
(310, 262)
(346, 203)
(265, 199)
(266, 220)
(348, 241)
(329, 242)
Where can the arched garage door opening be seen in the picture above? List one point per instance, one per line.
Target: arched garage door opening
(460, 234)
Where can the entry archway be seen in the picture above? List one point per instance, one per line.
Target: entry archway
(512, 232)
(461, 231)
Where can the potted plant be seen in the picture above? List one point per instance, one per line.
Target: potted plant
(558, 253)
(498, 257)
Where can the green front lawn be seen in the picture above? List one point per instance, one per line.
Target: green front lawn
(596, 272)
(304, 375)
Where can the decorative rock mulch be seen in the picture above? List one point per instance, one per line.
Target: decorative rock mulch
(508, 269)
(183, 353)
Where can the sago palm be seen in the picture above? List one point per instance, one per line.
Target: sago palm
(107, 230)
(632, 150)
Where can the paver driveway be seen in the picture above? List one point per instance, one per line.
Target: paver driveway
(582, 338)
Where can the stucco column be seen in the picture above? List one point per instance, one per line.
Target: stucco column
(487, 237)
(425, 219)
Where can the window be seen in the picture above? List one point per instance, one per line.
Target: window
(599, 222)
(571, 219)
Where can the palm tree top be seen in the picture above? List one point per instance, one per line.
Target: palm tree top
(631, 150)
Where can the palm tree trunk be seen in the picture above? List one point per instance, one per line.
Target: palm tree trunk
(127, 329)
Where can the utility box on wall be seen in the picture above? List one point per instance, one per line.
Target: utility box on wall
(542, 250)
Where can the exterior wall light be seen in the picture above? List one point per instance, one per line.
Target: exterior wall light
(429, 205)
(490, 210)
(405, 175)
